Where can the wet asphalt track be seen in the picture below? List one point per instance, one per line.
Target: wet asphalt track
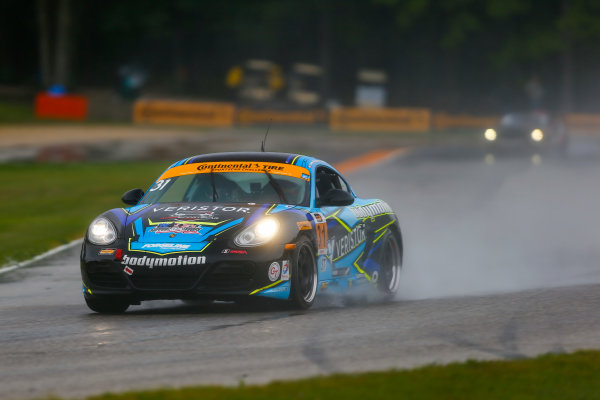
(502, 260)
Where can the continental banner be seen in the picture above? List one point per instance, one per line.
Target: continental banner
(173, 112)
(448, 121)
(248, 116)
(380, 119)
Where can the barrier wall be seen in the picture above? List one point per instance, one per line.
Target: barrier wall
(584, 122)
(380, 119)
(248, 116)
(183, 113)
(61, 107)
(443, 121)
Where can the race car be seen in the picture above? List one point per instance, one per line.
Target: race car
(528, 131)
(237, 226)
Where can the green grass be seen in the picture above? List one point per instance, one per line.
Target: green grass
(563, 376)
(45, 205)
(16, 112)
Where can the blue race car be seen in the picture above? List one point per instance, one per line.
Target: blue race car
(233, 226)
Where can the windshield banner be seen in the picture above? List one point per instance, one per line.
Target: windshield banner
(238, 166)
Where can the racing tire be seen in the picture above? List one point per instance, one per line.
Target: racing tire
(391, 265)
(304, 275)
(107, 306)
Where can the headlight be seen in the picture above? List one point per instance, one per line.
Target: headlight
(490, 135)
(537, 135)
(102, 232)
(258, 233)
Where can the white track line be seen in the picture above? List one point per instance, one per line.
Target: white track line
(42, 256)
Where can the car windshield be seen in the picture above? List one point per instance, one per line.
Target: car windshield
(230, 187)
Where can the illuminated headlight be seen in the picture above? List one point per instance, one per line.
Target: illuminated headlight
(490, 135)
(537, 135)
(102, 232)
(258, 233)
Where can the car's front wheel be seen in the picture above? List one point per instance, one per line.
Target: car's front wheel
(304, 277)
(107, 306)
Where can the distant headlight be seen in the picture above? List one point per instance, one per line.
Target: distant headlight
(258, 233)
(490, 135)
(102, 232)
(537, 135)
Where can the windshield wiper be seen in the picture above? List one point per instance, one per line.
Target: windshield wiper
(214, 187)
(276, 187)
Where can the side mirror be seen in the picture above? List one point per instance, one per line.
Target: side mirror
(336, 197)
(132, 197)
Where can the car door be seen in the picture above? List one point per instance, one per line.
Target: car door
(345, 233)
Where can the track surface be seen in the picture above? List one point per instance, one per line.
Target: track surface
(501, 262)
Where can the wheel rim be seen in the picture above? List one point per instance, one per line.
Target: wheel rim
(391, 264)
(307, 274)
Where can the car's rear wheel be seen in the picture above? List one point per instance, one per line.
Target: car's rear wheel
(107, 306)
(391, 265)
(305, 276)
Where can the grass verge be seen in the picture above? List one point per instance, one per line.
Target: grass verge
(552, 376)
(16, 112)
(46, 205)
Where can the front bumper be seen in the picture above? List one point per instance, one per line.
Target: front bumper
(219, 274)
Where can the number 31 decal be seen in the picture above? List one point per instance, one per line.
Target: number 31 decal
(160, 185)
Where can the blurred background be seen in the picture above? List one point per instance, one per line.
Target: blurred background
(455, 56)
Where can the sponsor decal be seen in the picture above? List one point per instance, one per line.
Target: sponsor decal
(304, 225)
(238, 166)
(278, 289)
(371, 210)
(172, 227)
(128, 271)
(285, 270)
(350, 241)
(166, 246)
(231, 251)
(152, 262)
(273, 272)
(324, 285)
(106, 252)
(375, 276)
(245, 210)
(321, 231)
(350, 283)
(341, 271)
(192, 216)
(318, 217)
(323, 264)
(331, 247)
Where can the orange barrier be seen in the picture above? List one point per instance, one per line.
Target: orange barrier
(445, 121)
(380, 119)
(61, 107)
(183, 113)
(247, 116)
(585, 122)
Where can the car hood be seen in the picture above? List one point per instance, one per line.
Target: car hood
(175, 227)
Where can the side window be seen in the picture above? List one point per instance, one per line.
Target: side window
(327, 179)
(343, 185)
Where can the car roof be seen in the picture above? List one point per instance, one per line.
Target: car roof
(284, 158)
